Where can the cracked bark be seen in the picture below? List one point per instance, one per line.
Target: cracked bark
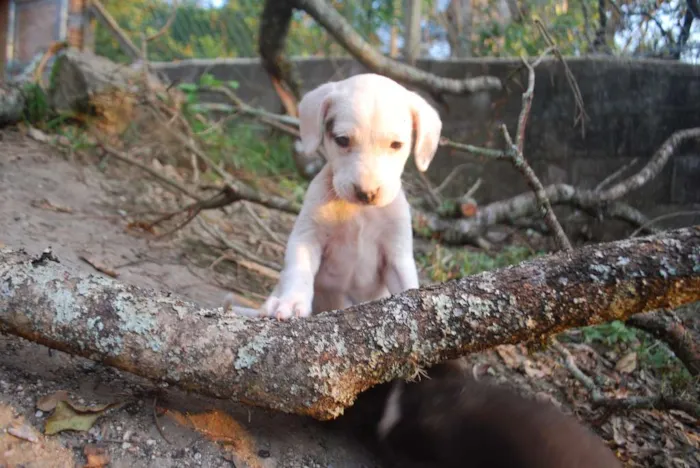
(318, 366)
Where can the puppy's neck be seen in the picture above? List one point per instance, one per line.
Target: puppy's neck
(333, 209)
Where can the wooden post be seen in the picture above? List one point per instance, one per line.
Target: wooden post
(4, 31)
(412, 36)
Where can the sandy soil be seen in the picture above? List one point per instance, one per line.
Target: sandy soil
(37, 183)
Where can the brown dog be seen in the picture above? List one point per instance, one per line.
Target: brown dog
(451, 420)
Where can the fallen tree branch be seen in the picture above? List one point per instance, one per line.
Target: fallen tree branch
(461, 231)
(317, 366)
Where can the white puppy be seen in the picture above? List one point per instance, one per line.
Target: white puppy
(352, 241)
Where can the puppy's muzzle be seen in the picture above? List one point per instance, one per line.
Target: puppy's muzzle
(368, 197)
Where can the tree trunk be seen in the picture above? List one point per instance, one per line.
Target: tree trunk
(317, 366)
(412, 35)
(459, 28)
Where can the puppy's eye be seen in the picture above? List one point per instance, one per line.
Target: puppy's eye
(342, 141)
(396, 145)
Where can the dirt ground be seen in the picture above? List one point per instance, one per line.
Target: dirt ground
(81, 211)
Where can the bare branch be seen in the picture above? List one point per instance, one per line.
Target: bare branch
(652, 168)
(665, 326)
(167, 24)
(109, 22)
(515, 152)
(463, 231)
(609, 179)
(627, 403)
(646, 225)
(344, 33)
(317, 366)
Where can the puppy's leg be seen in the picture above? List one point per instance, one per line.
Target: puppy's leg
(294, 293)
(401, 273)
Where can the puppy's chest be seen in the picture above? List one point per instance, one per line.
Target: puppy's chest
(353, 253)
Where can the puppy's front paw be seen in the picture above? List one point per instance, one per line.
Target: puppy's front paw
(287, 306)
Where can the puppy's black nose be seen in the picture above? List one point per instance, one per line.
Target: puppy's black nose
(366, 196)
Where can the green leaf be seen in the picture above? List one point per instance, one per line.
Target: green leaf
(65, 418)
(233, 84)
(187, 87)
(208, 80)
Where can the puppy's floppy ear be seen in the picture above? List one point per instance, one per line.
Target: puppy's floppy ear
(427, 126)
(312, 112)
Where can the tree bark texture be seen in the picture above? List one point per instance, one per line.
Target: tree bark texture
(461, 231)
(275, 21)
(317, 366)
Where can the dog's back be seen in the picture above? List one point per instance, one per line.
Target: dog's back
(452, 420)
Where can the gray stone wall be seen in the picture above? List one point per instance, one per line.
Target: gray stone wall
(632, 107)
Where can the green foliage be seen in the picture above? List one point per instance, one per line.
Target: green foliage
(610, 334)
(566, 24)
(443, 264)
(651, 353)
(230, 30)
(241, 144)
(37, 108)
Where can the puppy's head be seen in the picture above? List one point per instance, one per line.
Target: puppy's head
(365, 125)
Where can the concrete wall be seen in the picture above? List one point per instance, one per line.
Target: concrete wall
(632, 105)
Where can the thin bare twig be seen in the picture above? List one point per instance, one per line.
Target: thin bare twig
(447, 180)
(167, 24)
(472, 190)
(216, 234)
(515, 151)
(652, 168)
(609, 179)
(262, 225)
(628, 403)
(581, 114)
(241, 191)
(433, 195)
(158, 176)
(476, 150)
(646, 225)
(157, 422)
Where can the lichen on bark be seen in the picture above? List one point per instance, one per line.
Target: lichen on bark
(317, 366)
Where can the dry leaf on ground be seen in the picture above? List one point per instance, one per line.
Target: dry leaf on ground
(67, 418)
(220, 427)
(48, 402)
(97, 457)
(627, 364)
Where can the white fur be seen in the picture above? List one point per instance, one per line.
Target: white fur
(342, 251)
(392, 410)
